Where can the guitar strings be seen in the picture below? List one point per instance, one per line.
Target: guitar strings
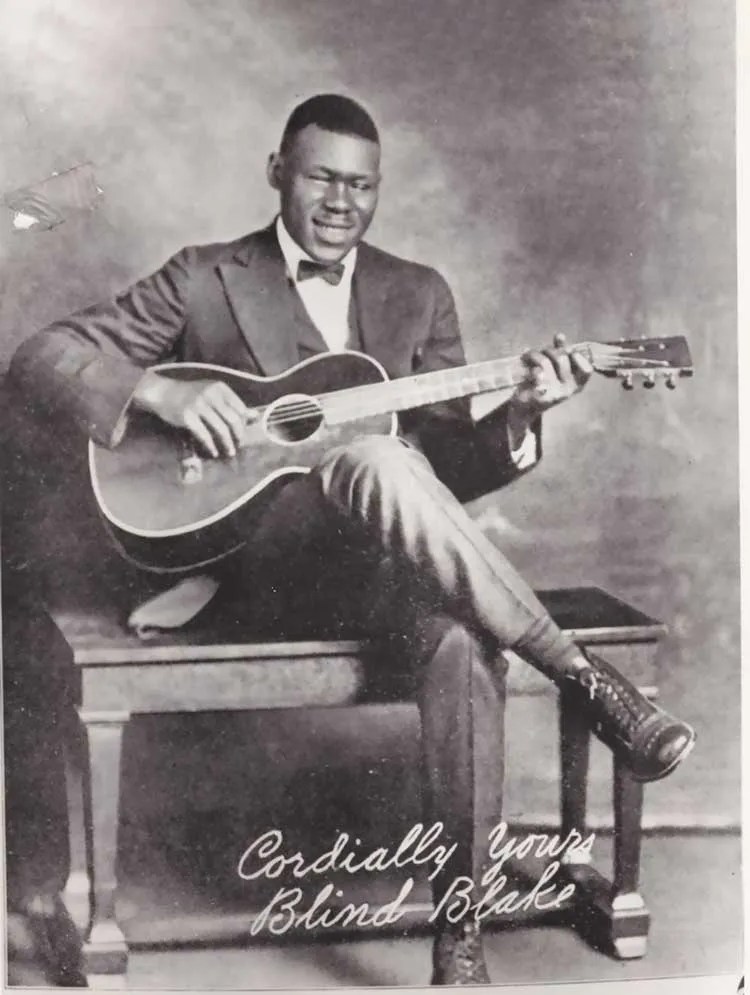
(350, 397)
(299, 410)
(340, 400)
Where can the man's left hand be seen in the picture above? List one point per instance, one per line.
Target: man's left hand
(553, 375)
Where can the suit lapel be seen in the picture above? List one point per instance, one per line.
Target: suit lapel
(372, 291)
(258, 292)
(383, 306)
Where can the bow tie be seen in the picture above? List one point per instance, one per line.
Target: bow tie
(330, 272)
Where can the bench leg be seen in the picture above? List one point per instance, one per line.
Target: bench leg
(610, 915)
(105, 950)
(630, 918)
(575, 741)
(77, 891)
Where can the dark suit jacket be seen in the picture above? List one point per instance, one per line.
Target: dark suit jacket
(232, 304)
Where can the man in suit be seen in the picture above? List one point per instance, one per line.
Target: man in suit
(375, 539)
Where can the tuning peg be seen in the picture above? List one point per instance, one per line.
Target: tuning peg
(627, 381)
(649, 380)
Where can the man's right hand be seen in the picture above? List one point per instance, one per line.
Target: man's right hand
(209, 409)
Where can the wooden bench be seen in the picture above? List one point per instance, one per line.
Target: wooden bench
(121, 675)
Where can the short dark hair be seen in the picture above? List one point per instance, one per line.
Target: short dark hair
(331, 112)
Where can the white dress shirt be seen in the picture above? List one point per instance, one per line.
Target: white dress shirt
(328, 309)
(326, 304)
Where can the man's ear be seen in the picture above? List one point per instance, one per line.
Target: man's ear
(273, 170)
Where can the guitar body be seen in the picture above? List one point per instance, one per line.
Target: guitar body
(171, 510)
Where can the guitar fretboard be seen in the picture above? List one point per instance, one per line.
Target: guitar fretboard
(421, 389)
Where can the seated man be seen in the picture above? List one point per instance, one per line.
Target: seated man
(375, 539)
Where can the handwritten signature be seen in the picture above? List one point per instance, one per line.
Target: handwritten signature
(420, 847)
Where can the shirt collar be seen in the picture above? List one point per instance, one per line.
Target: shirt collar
(293, 253)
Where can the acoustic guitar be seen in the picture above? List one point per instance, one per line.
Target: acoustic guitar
(170, 508)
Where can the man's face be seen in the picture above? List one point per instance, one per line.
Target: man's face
(328, 186)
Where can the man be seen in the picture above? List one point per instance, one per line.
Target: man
(375, 538)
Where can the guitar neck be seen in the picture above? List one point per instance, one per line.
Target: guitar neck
(421, 389)
(650, 359)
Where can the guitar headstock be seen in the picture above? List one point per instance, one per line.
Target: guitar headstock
(648, 360)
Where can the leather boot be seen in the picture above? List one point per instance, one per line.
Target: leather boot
(458, 956)
(648, 740)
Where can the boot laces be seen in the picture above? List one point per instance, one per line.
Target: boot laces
(590, 682)
(611, 695)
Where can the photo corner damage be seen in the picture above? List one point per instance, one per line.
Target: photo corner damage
(58, 198)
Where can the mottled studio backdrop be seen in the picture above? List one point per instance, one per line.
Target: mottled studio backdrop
(568, 164)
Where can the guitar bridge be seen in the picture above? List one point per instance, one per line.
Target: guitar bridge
(191, 464)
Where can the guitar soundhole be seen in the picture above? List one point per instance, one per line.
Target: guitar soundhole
(293, 418)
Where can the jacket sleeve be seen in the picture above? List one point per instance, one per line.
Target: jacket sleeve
(471, 458)
(87, 366)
